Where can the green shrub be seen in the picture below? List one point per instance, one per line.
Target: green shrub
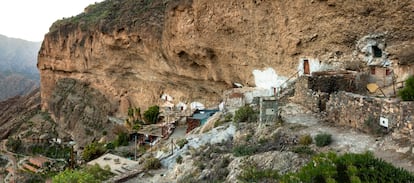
(323, 139)
(92, 151)
(182, 142)
(244, 150)
(303, 150)
(305, 140)
(13, 144)
(348, 168)
(122, 139)
(407, 93)
(151, 115)
(251, 173)
(245, 114)
(90, 174)
(179, 160)
(228, 117)
(110, 145)
(152, 164)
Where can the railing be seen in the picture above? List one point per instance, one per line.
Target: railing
(281, 89)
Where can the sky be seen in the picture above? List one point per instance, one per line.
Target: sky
(31, 19)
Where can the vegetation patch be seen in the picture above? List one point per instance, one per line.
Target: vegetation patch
(151, 115)
(323, 139)
(14, 144)
(244, 150)
(182, 142)
(179, 160)
(305, 140)
(348, 168)
(251, 173)
(407, 93)
(90, 174)
(152, 164)
(245, 114)
(303, 150)
(93, 151)
(51, 151)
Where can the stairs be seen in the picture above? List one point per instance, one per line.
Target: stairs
(283, 93)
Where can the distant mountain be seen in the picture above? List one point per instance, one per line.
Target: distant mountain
(18, 71)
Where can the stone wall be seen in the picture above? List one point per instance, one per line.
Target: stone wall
(355, 110)
(304, 95)
(362, 112)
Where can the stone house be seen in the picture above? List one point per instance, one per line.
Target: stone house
(381, 75)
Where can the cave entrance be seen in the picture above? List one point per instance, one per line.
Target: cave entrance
(377, 52)
(306, 69)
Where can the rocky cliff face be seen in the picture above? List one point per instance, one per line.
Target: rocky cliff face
(132, 52)
(17, 111)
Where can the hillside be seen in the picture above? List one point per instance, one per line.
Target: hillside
(18, 72)
(129, 53)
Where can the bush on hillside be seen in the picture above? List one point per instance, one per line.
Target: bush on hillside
(305, 140)
(93, 151)
(151, 115)
(244, 150)
(323, 139)
(245, 114)
(407, 93)
(122, 140)
(348, 168)
(182, 142)
(152, 164)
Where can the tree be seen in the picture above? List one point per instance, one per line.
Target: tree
(92, 151)
(13, 144)
(122, 139)
(407, 93)
(88, 174)
(151, 115)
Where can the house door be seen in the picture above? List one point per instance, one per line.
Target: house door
(306, 67)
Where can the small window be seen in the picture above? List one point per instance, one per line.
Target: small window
(373, 70)
(376, 51)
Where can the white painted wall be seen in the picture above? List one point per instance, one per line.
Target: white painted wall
(197, 105)
(267, 78)
(181, 104)
(314, 65)
(166, 96)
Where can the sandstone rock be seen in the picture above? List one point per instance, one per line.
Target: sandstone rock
(193, 50)
(403, 149)
(282, 161)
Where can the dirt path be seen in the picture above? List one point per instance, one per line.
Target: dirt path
(346, 139)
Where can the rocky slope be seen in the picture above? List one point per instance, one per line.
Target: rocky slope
(132, 52)
(17, 111)
(18, 72)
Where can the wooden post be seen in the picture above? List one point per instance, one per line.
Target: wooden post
(172, 146)
(72, 158)
(135, 155)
